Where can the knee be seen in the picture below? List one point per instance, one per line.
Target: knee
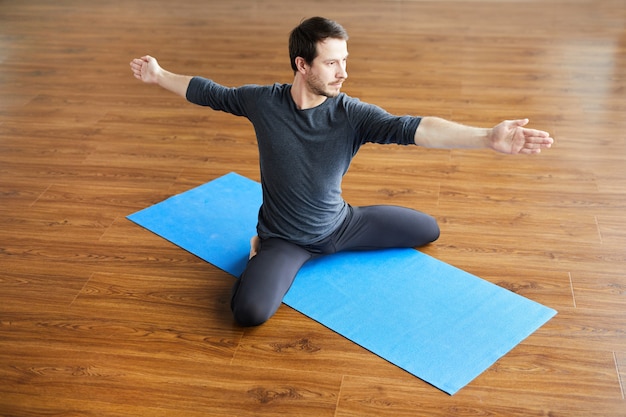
(435, 231)
(249, 312)
(428, 232)
(250, 315)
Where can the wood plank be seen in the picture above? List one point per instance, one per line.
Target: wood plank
(373, 397)
(176, 385)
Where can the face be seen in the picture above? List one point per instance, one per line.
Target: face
(327, 72)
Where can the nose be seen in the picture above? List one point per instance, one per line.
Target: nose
(342, 73)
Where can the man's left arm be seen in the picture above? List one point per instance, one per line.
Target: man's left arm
(509, 136)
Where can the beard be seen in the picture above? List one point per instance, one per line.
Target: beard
(317, 86)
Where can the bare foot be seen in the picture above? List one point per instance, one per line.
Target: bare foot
(254, 246)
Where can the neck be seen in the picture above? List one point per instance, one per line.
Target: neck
(302, 96)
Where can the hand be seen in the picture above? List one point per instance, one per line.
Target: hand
(511, 137)
(146, 69)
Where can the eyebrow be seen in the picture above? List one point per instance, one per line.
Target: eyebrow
(336, 59)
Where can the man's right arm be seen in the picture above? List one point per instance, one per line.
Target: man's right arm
(147, 69)
(509, 136)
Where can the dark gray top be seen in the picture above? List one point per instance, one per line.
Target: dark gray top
(303, 153)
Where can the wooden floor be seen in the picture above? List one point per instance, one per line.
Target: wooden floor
(99, 317)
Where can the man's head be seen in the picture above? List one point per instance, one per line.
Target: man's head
(305, 37)
(319, 52)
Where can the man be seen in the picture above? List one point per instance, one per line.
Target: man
(308, 132)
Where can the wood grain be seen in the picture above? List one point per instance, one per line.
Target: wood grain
(99, 317)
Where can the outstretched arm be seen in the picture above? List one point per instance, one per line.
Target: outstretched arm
(148, 70)
(510, 136)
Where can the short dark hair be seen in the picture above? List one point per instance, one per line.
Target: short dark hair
(304, 38)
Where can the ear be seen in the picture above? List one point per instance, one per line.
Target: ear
(301, 65)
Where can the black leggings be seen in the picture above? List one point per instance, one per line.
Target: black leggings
(259, 291)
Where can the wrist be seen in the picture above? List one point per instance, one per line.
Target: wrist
(160, 77)
(487, 137)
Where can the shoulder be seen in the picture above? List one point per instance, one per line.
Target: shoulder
(271, 89)
(355, 108)
(354, 104)
(264, 93)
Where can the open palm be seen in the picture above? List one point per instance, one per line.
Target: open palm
(511, 137)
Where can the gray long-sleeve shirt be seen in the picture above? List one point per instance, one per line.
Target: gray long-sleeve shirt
(303, 154)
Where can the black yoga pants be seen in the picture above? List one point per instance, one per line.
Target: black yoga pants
(259, 291)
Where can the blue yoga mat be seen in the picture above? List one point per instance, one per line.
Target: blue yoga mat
(437, 322)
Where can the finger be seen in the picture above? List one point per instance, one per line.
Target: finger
(541, 140)
(520, 122)
(136, 64)
(534, 147)
(537, 133)
(530, 150)
(537, 136)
